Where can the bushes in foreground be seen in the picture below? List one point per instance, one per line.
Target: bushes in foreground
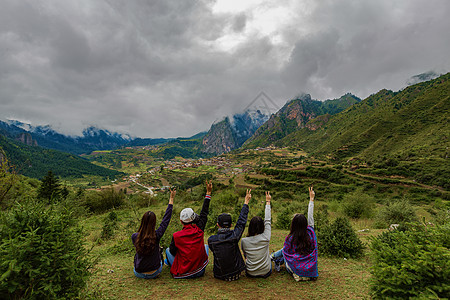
(339, 239)
(412, 264)
(395, 212)
(358, 204)
(42, 254)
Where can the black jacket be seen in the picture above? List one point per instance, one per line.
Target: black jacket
(228, 260)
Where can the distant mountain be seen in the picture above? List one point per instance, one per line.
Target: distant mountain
(412, 123)
(295, 115)
(145, 142)
(35, 161)
(403, 133)
(231, 133)
(44, 136)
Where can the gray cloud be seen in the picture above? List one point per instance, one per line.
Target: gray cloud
(156, 68)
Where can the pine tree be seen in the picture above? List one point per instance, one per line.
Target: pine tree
(8, 176)
(50, 187)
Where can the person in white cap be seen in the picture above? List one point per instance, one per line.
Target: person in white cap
(187, 255)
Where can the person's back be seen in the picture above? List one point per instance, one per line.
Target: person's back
(147, 260)
(256, 246)
(299, 252)
(187, 254)
(190, 257)
(228, 261)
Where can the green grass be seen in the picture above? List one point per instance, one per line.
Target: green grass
(338, 278)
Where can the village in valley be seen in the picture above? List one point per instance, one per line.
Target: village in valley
(157, 176)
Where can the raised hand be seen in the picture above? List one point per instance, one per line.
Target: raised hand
(312, 194)
(248, 196)
(268, 197)
(208, 187)
(172, 195)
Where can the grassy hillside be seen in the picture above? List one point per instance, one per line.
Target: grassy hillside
(295, 115)
(109, 217)
(405, 133)
(36, 161)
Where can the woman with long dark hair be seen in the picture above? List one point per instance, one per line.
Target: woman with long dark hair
(148, 260)
(256, 245)
(299, 252)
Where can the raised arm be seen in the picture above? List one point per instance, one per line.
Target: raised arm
(267, 216)
(242, 220)
(205, 208)
(312, 194)
(167, 215)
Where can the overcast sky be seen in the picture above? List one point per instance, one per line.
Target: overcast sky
(170, 68)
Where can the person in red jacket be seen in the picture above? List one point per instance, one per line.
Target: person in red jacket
(187, 255)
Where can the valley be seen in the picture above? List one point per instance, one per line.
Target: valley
(376, 163)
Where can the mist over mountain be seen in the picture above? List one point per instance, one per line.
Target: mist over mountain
(31, 160)
(231, 133)
(423, 77)
(45, 136)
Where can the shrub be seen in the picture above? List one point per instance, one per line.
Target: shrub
(121, 246)
(98, 202)
(411, 264)
(395, 212)
(339, 239)
(284, 195)
(358, 204)
(284, 217)
(321, 219)
(42, 254)
(109, 225)
(8, 177)
(142, 200)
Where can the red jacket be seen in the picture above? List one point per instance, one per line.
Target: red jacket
(191, 256)
(188, 246)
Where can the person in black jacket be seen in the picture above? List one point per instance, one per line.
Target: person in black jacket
(228, 261)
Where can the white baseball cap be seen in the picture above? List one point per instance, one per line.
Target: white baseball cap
(187, 215)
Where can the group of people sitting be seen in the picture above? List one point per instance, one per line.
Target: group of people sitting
(187, 255)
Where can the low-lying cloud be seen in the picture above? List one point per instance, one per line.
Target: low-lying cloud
(170, 68)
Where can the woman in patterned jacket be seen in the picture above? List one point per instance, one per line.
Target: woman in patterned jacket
(299, 252)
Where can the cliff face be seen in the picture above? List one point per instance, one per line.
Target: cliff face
(297, 114)
(318, 122)
(27, 139)
(219, 138)
(228, 135)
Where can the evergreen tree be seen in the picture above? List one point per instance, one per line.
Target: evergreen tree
(8, 176)
(50, 187)
(64, 193)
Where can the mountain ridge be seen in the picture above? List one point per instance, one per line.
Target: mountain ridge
(296, 114)
(35, 161)
(231, 133)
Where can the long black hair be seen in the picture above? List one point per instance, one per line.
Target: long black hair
(146, 239)
(300, 237)
(256, 226)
